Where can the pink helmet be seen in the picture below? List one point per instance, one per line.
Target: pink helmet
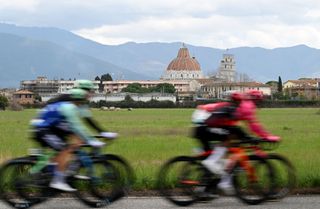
(255, 95)
(236, 96)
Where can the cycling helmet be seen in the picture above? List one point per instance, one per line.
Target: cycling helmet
(78, 94)
(84, 84)
(255, 95)
(236, 96)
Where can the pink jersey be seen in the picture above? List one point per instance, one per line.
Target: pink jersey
(246, 111)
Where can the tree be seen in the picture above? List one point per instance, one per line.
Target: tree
(135, 88)
(3, 102)
(97, 78)
(163, 88)
(106, 77)
(272, 83)
(279, 84)
(37, 97)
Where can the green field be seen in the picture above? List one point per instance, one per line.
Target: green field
(148, 137)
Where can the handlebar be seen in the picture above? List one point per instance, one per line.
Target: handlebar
(98, 137)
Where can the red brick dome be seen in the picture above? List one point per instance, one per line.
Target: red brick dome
(184, 62)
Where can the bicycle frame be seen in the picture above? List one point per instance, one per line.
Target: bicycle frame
(239, 155)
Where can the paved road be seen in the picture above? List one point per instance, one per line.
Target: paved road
(293, 202)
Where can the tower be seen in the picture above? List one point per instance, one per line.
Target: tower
(227, 68)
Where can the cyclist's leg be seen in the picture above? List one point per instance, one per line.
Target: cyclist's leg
(214, 161)
(46, 154)
(62, 158)
(202, 135)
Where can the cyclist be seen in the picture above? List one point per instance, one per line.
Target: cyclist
(219, 122)
(58, 126)
(85, 113)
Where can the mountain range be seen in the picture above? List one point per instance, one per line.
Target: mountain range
(28, 52)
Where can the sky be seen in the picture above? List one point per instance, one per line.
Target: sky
(212, 23)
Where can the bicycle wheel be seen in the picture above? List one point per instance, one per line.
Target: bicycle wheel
(284, 176)
(180, 180)
(16, 185)
(101, 188)
(253, 191)
(126, 173)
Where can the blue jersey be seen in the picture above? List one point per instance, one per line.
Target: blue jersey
(65, 116)
(51, 116)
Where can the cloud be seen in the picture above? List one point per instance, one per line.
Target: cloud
(217, 31)
(22, 5)
(218, 23)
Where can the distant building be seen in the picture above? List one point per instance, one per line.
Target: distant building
(217, 89)
(116, 97)
(227, 69)
(23, 97)
(301, 83)
(7, 92)
(42, 86)
(183, 67)
(117, 86)
(307, 88)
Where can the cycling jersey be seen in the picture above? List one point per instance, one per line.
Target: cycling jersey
(224, 114)
(64, 116)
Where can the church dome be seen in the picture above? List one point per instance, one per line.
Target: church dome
(183, 62)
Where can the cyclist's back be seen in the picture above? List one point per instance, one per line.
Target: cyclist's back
(54, 114)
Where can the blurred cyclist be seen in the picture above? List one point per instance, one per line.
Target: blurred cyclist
(219, 122)
(58, 126)
(85, 113)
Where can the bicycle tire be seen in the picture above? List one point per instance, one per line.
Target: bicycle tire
(284, 176)
(171, 186)
(126, 172)
(12, 192)
(252, 193)
(101, 189)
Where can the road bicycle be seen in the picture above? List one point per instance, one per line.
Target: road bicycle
(100, 179)
(284, 174)
(183, 180)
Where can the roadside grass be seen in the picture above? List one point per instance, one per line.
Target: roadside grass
(149, 137)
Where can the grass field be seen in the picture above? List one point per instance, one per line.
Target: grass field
(148, 137)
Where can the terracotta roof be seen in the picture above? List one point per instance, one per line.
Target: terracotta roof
(23, 92)
(253, 84)
(184, 62)
(244, 84)
(303, 81)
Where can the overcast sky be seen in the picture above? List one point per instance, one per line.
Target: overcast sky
(213, 23)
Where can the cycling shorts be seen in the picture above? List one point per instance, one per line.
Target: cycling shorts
(53, 139)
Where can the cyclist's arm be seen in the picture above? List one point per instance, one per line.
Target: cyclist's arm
(87, 117)
(247, 112)
(93, 124)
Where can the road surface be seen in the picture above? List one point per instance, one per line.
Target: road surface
(293, 202)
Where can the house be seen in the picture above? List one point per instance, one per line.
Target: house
(23, 97)
(307, 88)
(216, 89)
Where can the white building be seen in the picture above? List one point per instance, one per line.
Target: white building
(218, 89)
(183, 67)
(43, 86)
(117, 86)
(117, 97)
(227, 68)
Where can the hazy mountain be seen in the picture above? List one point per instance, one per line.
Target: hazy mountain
(24, 58)
(151, 59)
